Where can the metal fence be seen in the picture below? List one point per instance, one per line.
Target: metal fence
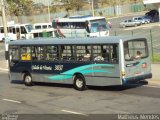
(152, 35)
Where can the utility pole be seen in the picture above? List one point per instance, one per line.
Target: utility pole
(4, 18)
(49, 14)
(93, 8)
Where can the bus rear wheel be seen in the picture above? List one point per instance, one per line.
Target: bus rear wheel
(28, 79)
(79, 83)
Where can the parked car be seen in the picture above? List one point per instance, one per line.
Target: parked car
(142, 20)
(129, 23)
(153, 14)
(148, 18)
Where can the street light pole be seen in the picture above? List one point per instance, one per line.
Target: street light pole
(4, 18)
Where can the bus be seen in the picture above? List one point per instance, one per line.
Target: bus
(80, 26)
(42, 25)
(62, 61)
(43, 30)
(17, 31)
(48, 32)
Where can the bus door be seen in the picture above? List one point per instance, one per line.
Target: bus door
(106, 63)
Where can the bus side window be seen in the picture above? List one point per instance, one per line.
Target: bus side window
(23, 30)
(52, 53)
(114, 53)
(25, 53)
(14, 53)
(34, 53)
(41, 53)
(67, 53)
(105, 54)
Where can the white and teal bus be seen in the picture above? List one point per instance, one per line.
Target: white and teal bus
(80, 26)
(64, 61)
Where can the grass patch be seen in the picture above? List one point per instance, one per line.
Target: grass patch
(156, 58)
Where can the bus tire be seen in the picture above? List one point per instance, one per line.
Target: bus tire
(27, 79)
(79, 82)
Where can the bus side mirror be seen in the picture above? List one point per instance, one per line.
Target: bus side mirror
(6, 55)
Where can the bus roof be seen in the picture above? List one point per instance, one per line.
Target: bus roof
(78, 19)
(42, 24)
(11, 25)
(69, 41)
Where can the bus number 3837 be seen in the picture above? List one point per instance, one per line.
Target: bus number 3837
(58, 67)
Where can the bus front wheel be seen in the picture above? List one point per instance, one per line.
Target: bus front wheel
(27, 79)
(79, 83)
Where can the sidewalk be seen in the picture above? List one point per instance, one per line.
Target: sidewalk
(3, 65)
(155, 80)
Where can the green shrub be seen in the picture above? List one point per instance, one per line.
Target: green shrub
(156, 58)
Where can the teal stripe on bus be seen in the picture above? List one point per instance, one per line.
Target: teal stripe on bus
(68, 74)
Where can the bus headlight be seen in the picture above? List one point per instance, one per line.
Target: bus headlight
(123, 73)
(144, 65)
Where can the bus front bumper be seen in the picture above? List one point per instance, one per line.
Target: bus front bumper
(136, 79)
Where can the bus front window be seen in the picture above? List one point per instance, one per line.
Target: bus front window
(98, 25)
(28, 28)
(94, 27)
(134, 50)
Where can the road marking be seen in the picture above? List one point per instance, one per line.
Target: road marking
(74, 112)
(152, 86)
(3, 72)
(1, 50)
(147, 28)
(9, 100)
(2, 69)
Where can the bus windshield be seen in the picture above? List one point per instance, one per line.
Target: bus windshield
(98, 25)
(136, 49)
(28, 27)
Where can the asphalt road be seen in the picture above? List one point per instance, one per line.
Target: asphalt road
(15, 98)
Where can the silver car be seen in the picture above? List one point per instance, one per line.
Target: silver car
(129, 23)
(142, 20)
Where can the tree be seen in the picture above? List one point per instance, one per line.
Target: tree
(70, 4)
(20, 7)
